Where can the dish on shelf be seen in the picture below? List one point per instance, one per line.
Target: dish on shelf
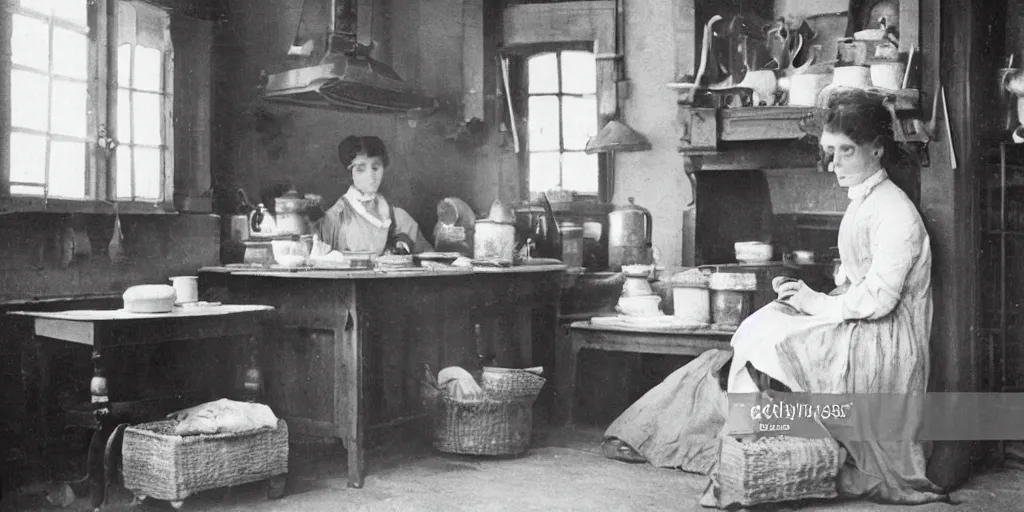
(753, 252)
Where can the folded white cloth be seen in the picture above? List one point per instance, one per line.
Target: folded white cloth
(222, 416)
(458, 383)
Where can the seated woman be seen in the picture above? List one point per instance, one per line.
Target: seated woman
(362, 220)
(872, 337)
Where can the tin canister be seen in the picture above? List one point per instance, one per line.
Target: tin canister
(494, 240)
(572, 243)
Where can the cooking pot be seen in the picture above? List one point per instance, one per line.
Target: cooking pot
(629, 236)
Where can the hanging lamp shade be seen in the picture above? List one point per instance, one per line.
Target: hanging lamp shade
(616, 136)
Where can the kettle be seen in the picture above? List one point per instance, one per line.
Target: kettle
(261, 223)
(629, 237)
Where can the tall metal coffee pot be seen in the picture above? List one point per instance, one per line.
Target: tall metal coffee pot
(629, 237)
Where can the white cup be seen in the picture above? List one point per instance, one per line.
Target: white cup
(871, 34)
(888, 75)
(186, 289)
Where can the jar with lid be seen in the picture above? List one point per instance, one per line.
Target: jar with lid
(572, 243)
(732, 297)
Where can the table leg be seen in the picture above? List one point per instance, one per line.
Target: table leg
(569, 350)
(355, 410)
(101, 411)
(38, 379)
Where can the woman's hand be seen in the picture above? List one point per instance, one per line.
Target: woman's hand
(800, 296)
(785, 287)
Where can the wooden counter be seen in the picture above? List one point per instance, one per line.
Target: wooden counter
(584, 335)
(394, 323)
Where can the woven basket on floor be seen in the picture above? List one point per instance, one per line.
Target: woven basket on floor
(162, 465)
(510, 382)
(777, 469)
(499, 423)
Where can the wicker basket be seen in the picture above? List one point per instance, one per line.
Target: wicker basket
(777, 469)
(510, 382)
(159, 464)
(499, 423)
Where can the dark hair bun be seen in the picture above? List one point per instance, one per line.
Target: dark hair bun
(860, 115)
(354, 145)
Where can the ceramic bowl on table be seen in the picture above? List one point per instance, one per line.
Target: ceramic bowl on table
(149, 298)
(638, 270)
(643, 305)
(291, 252)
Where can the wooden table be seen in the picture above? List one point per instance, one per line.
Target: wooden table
(687, 341)
(349, 347)
(108, 330)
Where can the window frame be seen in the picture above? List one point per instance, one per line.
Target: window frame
(528, 27)
(558, 50)
(102, 102)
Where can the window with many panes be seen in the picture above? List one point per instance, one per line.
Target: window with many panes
(143, 101)
(561, 117)
(58, 95)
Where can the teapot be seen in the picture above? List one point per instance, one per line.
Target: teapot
(261, 222)
(629, 236)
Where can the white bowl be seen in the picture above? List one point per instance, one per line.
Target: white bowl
(290, 253)
(643, 305)
(871, 34)
(753, 251)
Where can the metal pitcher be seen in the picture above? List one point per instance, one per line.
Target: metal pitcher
(629, 236)
(261, 222)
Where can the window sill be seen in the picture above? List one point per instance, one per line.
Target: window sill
(12, 205)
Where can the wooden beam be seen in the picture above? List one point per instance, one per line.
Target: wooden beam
(563, 22)
(472, 59)
(952, 57)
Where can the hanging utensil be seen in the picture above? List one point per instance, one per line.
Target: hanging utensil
(115, 249)
(508, 100)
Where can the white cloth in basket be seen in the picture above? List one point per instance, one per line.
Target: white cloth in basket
(222, 416)
(458, 383)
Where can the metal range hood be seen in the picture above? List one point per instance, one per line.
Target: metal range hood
(347, 78)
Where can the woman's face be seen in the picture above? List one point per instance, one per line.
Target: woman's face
(852, 163)
(367, 171)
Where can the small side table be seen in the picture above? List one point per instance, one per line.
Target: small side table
(614, 338)
(109, 330)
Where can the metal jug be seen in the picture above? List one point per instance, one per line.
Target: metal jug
(629, 237)
(261, 223)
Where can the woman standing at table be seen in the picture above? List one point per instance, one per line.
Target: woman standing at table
(362, 220)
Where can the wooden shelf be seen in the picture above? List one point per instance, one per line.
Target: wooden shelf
(704, 129)
(707, 131)
(782, 154)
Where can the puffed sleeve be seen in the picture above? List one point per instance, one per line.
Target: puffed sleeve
(896, 242)
(407, 226)
(330, 229)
